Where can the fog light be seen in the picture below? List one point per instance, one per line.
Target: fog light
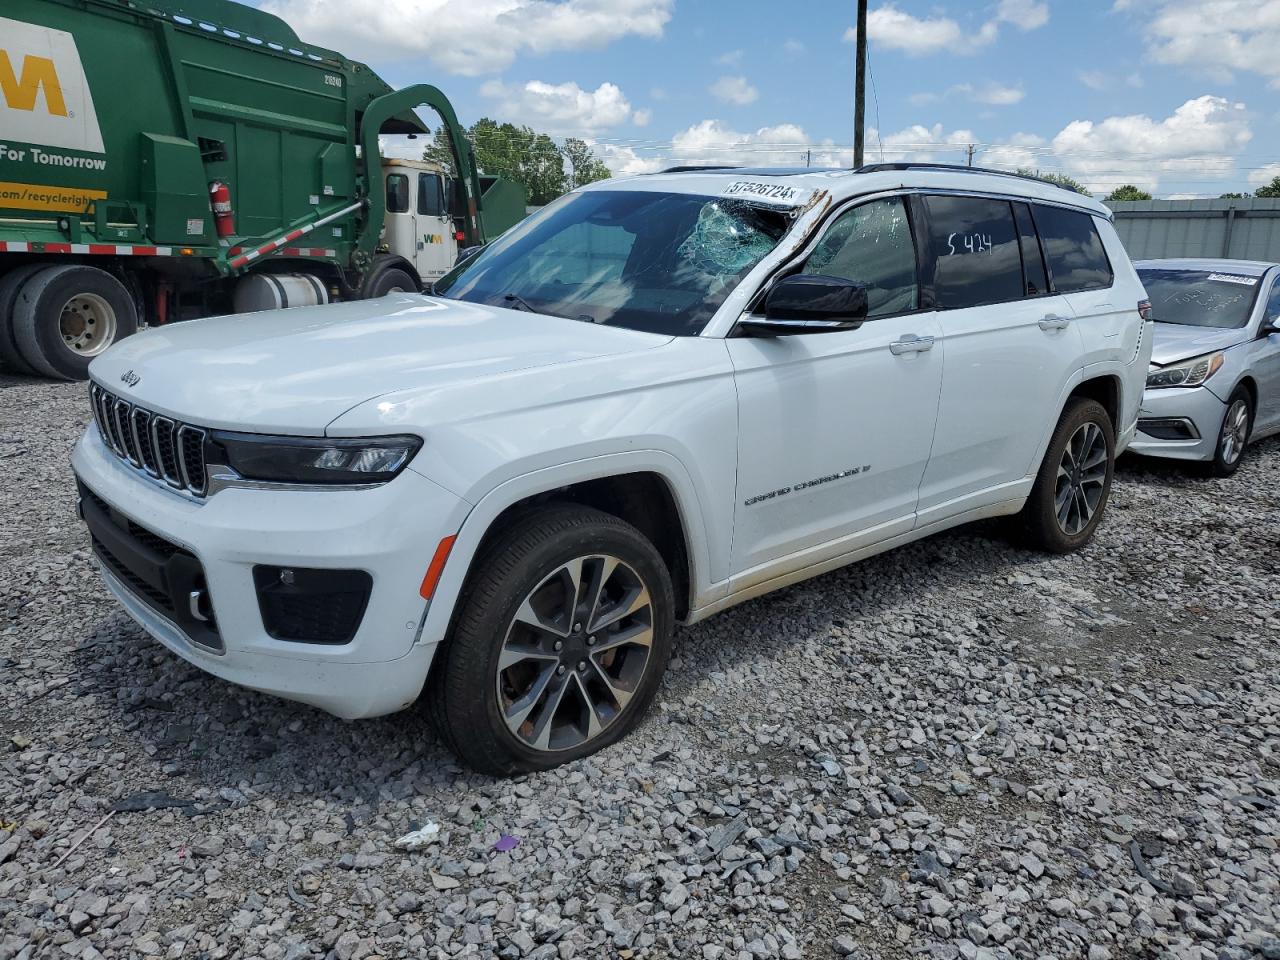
(310, 605)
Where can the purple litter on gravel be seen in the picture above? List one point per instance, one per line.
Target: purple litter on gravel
(506, 843)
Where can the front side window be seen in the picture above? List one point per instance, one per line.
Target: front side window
(871, 244)
(975, 251)
(659, 262)
(1199, 298)
(430, 195)
(397, 193)
(1073, 249)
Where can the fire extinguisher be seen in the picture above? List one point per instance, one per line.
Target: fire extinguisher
(223, 216)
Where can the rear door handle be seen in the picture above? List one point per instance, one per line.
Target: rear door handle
(910, 344)
(1052, 321)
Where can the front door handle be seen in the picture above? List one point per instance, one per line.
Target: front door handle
(910, 344)
(1051, 321)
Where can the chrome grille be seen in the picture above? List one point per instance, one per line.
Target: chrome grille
(158, 446)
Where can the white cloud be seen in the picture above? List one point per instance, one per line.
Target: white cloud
(898, 30)
(561, 107)
(991, 93)
(469, 37)
(1023, 14)
(730, 59)
(1201, 138)
(400, 148)
(734, 90)
(919, 143)
(1093, 79)
(1217, 36)
(1264, 175)
(626, 161)
(793, 47)
(641, 118)
(1020, 151)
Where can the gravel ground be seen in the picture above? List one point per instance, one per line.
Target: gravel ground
(959, 749)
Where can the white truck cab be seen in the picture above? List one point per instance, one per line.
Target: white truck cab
(653, 399)
(418, 225)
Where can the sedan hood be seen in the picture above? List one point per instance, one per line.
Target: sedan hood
(1176, 341)
(297, 370)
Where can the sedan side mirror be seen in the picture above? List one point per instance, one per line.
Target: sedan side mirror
(809, 303)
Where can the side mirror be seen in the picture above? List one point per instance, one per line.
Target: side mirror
(1269, 326)
(809, 303)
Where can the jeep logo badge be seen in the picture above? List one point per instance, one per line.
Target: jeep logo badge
(129, 378)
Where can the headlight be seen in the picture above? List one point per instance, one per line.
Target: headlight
(315, 459)
(1188, 373)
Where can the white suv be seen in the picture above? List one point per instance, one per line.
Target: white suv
(655, 398)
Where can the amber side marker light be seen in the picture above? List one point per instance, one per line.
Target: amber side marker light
(436, 567)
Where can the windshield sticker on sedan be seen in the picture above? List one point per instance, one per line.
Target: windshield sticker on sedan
(769, 192)
(1231, 278)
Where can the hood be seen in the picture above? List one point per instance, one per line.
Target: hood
(1177, 341)
(297, 370)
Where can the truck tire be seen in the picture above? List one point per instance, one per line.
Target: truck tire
(1074, 483)
(10, 357)
(390, 280)
(67, 315)
(510, 695)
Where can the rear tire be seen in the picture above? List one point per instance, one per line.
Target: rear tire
(67, 315)
(1071, 490)
(523, 636)
(10, 357)
(1233, 436)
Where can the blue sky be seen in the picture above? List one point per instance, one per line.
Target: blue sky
(1177, 96)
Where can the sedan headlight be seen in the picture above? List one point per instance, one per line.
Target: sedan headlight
(315, 459)
(1188, 373)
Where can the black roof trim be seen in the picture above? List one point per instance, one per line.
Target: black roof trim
(756, 171)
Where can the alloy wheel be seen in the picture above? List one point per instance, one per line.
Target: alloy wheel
(575, 653)
(1235, 432)
(1082, 479)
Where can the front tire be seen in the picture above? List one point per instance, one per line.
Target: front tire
(390, 280)
(1233, 436)
(559, 644)
(10, 284)
(65, 316)
(1074, 483)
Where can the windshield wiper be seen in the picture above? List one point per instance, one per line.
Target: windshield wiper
(519, 300)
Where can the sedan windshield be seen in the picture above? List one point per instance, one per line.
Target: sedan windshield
(658, 262)
(1199, 298)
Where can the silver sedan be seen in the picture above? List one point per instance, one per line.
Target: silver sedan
(1214, 381)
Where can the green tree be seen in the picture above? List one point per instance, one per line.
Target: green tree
(1233, 196)
(1061, 179)
(1128, 192)
(584, 166)
(1271, 189)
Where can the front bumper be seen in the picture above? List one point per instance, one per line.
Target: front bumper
(390, 532)
(1174, 410)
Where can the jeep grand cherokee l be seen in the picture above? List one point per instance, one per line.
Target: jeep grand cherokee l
(655, 398)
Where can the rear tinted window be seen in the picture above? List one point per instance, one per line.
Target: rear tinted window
(1073, 249)
(1199, 298)
(974, 248)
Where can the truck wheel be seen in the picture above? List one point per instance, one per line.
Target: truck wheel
(559, 643)
(10, 284)
(1070, 493)
(391, 280)
(67, 315)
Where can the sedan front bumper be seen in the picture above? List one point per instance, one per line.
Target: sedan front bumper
(1179, 423)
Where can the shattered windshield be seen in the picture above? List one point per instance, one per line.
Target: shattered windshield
(659, 262)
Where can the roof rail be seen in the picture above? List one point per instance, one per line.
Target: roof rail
(955, 168)
(696, 168)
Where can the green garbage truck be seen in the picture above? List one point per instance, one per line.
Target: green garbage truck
(163, 160)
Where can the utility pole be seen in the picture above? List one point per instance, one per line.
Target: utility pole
(808, 158)
(860, 86)
(972, 148)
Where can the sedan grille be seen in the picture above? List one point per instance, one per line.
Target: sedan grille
(158, 446)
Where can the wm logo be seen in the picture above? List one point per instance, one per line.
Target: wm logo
(20, 89)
